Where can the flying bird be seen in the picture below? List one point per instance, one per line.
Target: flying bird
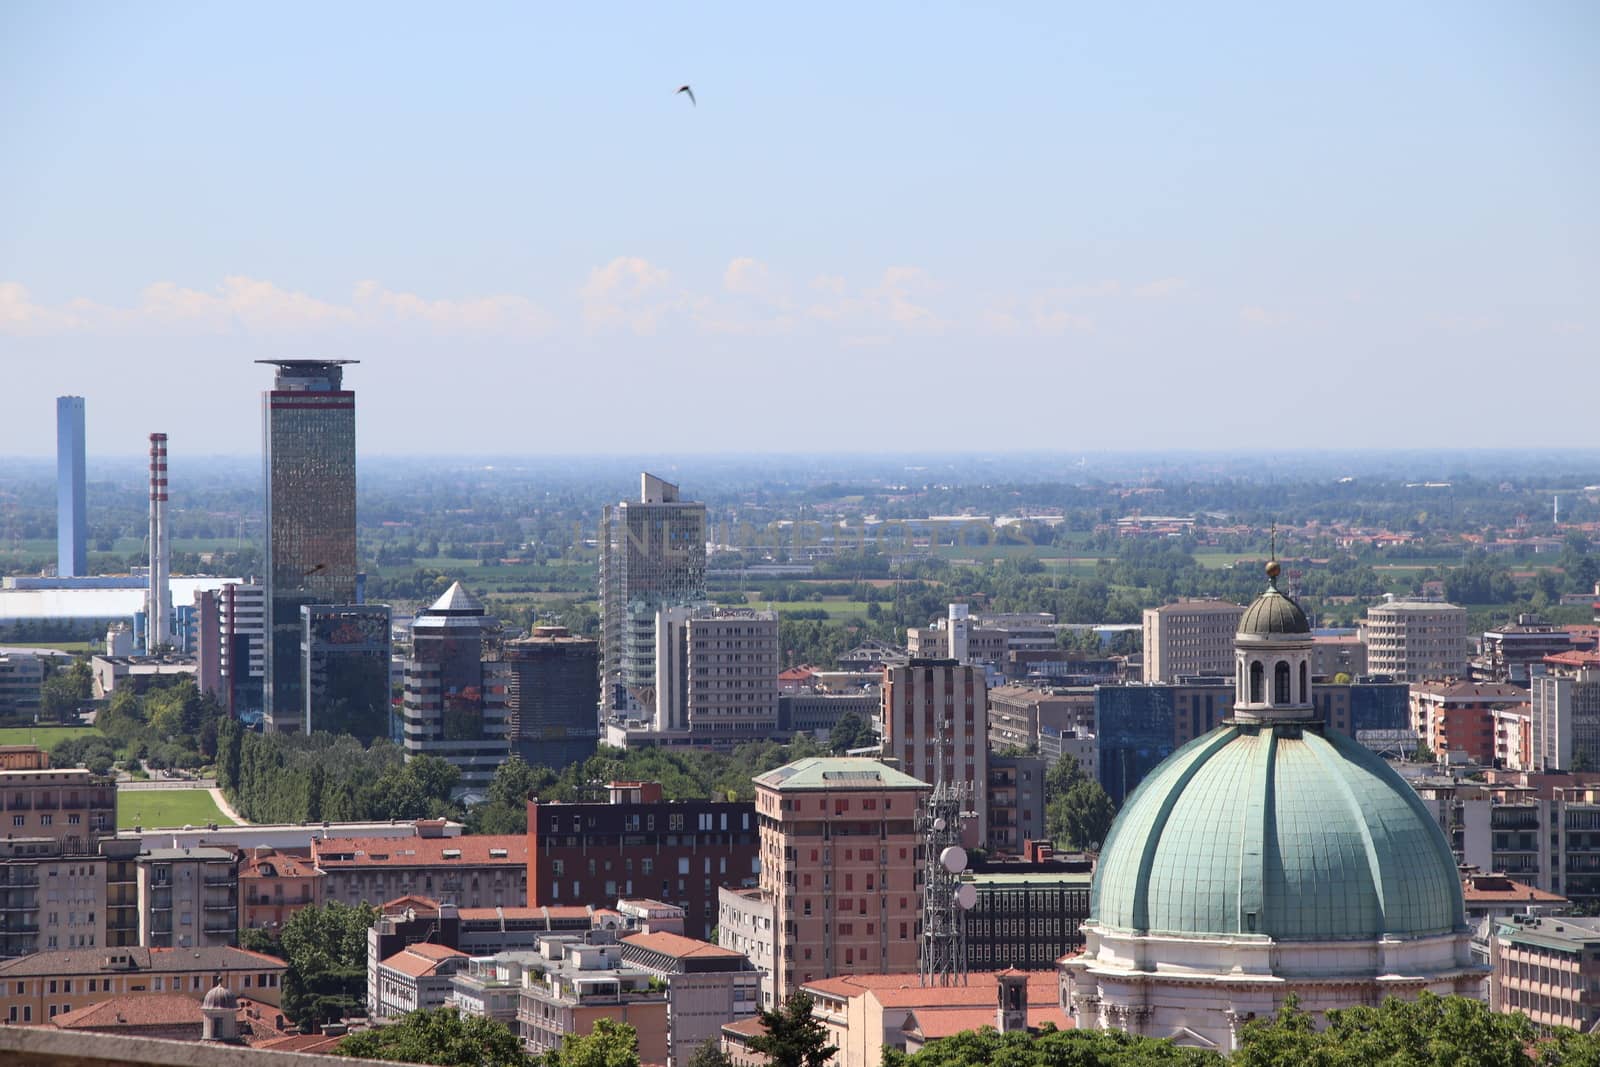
(686, 89)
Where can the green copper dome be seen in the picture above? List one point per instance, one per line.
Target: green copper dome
(1272, 612)
(1280, 831)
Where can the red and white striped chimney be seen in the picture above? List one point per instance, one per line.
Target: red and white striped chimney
(158, 604)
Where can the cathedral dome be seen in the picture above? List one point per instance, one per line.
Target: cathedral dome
(1281, 831)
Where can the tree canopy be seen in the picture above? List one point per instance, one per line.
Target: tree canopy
(325, 947)
(440, 1037)
(609, 1044)
(794, 1037)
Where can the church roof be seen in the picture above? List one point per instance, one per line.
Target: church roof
(1277, 830)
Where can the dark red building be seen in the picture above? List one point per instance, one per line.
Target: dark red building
(639, 845)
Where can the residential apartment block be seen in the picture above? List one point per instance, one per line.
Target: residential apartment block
(840, 868)
(471, 871)
(1458, 716)
(1564, 721)
(638, 844)
(1189, 637)
(188, 897)
(927, 702)
(1547, 968)
(1416, 641)
(707, 986)
(36, 988)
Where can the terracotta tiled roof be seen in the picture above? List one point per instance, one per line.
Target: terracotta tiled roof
(509, 850)
(157, 960)
(943, 1022)
(301, 1043)
(1498, 889)
(135, 1009)
(907, 990)
(422, 905)
(678, 946)
(421, 959)
(283, 864)
(750, 1027)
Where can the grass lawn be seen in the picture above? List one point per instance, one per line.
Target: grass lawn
(43, 736)
(836, 607)
(60, 646)
(167, 807)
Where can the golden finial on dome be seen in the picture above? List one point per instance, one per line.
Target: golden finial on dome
(1273, 570)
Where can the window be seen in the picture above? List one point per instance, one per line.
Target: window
(1255, 683)
(1280, 683)
(16, 820)
(45, 820)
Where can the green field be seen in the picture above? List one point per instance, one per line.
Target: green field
(43, 736)
(167, 807)
(836, 607)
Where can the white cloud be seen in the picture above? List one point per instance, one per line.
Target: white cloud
(258, 306)
(1161, 287)
(1254, 315)
(628, 292)
(746, 276)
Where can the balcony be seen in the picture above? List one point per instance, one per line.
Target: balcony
(221, 928)
(219, 879)
(220, 905)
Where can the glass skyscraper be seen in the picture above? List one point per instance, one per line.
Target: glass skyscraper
(455, 689)
(309, 467)
(72, 527)
(652, 556)
(344, 653)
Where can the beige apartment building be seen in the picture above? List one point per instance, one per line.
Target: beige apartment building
(188, 897)
(927, 699)
(1416, 641)
(1189, 637)
(34, 989)
(53, 877)
(840, 868)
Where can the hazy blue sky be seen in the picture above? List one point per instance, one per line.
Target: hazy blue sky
(884, 226)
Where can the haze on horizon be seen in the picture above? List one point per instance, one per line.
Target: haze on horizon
(893, 229)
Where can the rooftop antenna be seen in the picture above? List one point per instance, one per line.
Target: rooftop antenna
(946, 899)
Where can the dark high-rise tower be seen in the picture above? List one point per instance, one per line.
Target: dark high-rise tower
(309, 467)
(72, 530)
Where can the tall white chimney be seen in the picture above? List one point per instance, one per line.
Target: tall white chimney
(957, 627)
(158, 605)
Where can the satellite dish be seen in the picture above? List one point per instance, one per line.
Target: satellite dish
(938, 824)
(954, 859)
(967, 896)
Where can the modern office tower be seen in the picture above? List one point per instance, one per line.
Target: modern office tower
(1565, 723)
(652, 555)
(243, 607)
(309, 467)
(1188, 638)
(158, 603)
(72, 525)
(344, 654)
(455, 689)
(1416, 641)
(927, 700)
(207, 644)
(840, 869)
(553, 696)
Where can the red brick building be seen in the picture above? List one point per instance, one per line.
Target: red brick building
(639, 845)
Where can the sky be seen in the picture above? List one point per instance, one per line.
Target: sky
(883, 227)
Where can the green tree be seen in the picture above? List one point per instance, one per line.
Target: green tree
(441, 1037)
(326, 950)
(1082, 816)
(710, 1054)
(505, 807)
(609, 1044)
(1052, 1048)
(849, 732)
(1431, 1031)
(794, 1037)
